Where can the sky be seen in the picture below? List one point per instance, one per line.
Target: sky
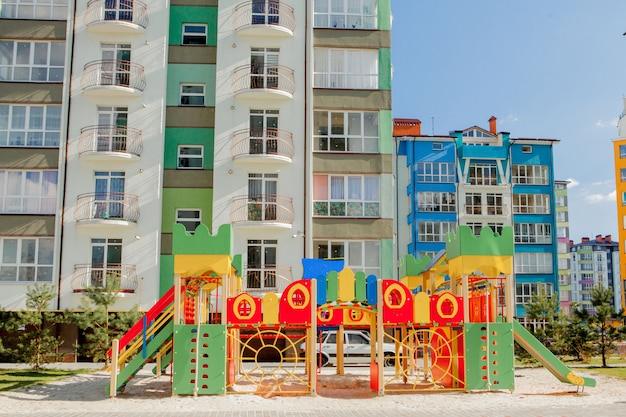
(551, 69)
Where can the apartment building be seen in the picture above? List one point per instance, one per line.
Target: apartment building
(563, 246)
(619, 156)
(480, 178)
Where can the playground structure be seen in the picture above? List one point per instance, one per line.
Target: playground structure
(451, 320)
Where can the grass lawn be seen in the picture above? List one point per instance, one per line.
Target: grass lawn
(11, 379)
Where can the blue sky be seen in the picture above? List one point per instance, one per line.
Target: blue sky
(544, 68)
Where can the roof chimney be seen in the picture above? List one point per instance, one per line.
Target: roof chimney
(493, 125)
(407, 127)
(599, 238)
(608, 239)
(585, 240)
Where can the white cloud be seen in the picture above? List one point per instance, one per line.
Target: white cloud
(572, 183)
(600, 198)
(606, 123)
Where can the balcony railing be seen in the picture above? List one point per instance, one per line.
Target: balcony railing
(88, 276)
(113, 73)
(110, 138)
(259, 16)
(103, 207)
(269, 278)
(116, 13)
(262, 209)
(262, 143)
(269, 78)
(502, 210)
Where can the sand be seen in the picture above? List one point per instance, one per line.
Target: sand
(534, 387)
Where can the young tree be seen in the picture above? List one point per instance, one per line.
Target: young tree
(579, 334)
(101, 325)
(605, 322)
(544, 309)
(35, 342)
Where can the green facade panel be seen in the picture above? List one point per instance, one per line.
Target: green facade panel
(387, 255)
(190, 198)
(199, 359)
(385, 129)
(384, 14)
(489, 356)
(166, 269)
(188, 136)
(178, 74)
(192, 14)
(384, 69)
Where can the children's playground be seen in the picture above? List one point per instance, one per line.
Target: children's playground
(449, 318)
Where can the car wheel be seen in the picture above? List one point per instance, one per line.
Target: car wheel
(390, 359)
(323, 360)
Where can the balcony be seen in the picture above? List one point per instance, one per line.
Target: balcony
(116, 16)
(113, 78)
(89, 276)
(476, 210)
(269, 278)
(270, 19)
(264, 210)
(266, 145)
(264, 82)
(107, 209)
(110, 142)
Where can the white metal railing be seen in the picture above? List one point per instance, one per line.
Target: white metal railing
(268, 13)
(129, 11)
(262, 142)
(110, 138)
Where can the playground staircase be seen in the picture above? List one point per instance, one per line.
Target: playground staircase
(533, 346)
(151, 335)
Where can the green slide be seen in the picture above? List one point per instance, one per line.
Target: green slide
(547, 358)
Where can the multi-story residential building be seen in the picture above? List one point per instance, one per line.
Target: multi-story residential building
(34, 82)
(563, 242)
(595, 262)
(478, 178)
(270, 115)
(619, 156)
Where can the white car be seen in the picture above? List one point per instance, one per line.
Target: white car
(356, 348)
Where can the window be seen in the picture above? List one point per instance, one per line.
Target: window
(483, 174)
(346, 196)
(106, 261)
(533, 233)
(494, 204)
(337, 131)
(564, 279)
(434, 231)
(346, 68)
(437, 146)
(109, 195)
(190, 156)
(264, 68)
(118, 10)
(30, 126)
(34, 9)
(561, 216)
(350, 14)
(265, 12)
(194, 34)
(473, 203)
(115, 67)
(477, 227)
(31, 61)
(527, 149)
(112, 129)
(533, 263)
(531, 204)
(261, 270)
(32, 192)
(525, 291)
(190, 218)
(530, 174)
(262, 194)
(263, 132)
(360, 256)
(192, 94)
(26, 259)
(435, 172)
(436, 201)
(622, 151)
(560, 200)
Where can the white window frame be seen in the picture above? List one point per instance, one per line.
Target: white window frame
(346, 68)
(436, 172)
(444, 202)
(483, 174)
(527, 149)
(339, 131)
(474, 204)
(531, 204)
(30, 126)
(533, 263)
(347, 14)
(358, 255)
(524, 291)
(262, 276)
(32, 261)
(530, 174)
(431, 231)
(182, 157)
(622, 151)
(18, 64)
(188, 95)
(437, 146)
(190, 223)
(540, 233)
(495, 204)
(198, 35)
(31, 194)
(341, 198)
(34, 9)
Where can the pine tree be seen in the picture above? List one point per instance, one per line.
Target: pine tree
(605, 322)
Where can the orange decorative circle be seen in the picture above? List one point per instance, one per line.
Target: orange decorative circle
(325, 315)
(390, 292)
(241, 310)
(356, 315)
(453, 302)
(301, 293)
